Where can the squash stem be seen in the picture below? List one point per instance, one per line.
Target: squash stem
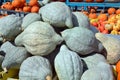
(5, 70)
(48, 77)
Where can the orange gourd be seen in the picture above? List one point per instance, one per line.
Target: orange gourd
(118, 76)
(23, 1)
(89, 0)
(102, 16)
(118, 66)
(33, 2)
(111, 11)
(93, 15)
(27, 8)
(118, 11)
(17, 3)
(35, 9)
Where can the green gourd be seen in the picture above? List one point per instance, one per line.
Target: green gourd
(68, 64)
(39, 38)
(35, 68)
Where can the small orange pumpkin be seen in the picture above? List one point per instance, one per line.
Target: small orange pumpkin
(27, 8)
(102, 16)
(118, 11)
(17, 3)
(35, 9)
(89, 0)
(23, 1)
(33, 2)
(111, 11)
(93, 15)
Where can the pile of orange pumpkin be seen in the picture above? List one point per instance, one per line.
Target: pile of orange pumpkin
(108, 23)
(22, 6)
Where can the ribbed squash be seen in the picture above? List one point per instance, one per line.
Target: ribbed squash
(92, 60)
(68, 65)
(14, 56)
(35, 68)
(81, 40)
(30, 18)
(57, 14)
(80, 19)
(10, 27)
(102, 71)
(39, 38)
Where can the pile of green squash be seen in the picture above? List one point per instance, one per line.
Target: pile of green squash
(55, 44)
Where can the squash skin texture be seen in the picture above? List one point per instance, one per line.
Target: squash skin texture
(39, 38)
(80, 19)
(35, 68)
(14, 55)
(80, 40)
(30, 18)
(57, 14)
(102, 71)
(10, 27)
(92, 60)
(68, 65)
(111, 45)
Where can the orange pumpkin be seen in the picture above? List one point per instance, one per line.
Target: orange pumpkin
(17, 3)
(23, 1)
(99, 1)
(35, 9)
(9, 7)
(89, 0)
(118, 11)
(3, 6)
(118, 76)
(93, 15)
(33, 2)
(27, 9)
(102, 17)
(118, 66)
(111, 11)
